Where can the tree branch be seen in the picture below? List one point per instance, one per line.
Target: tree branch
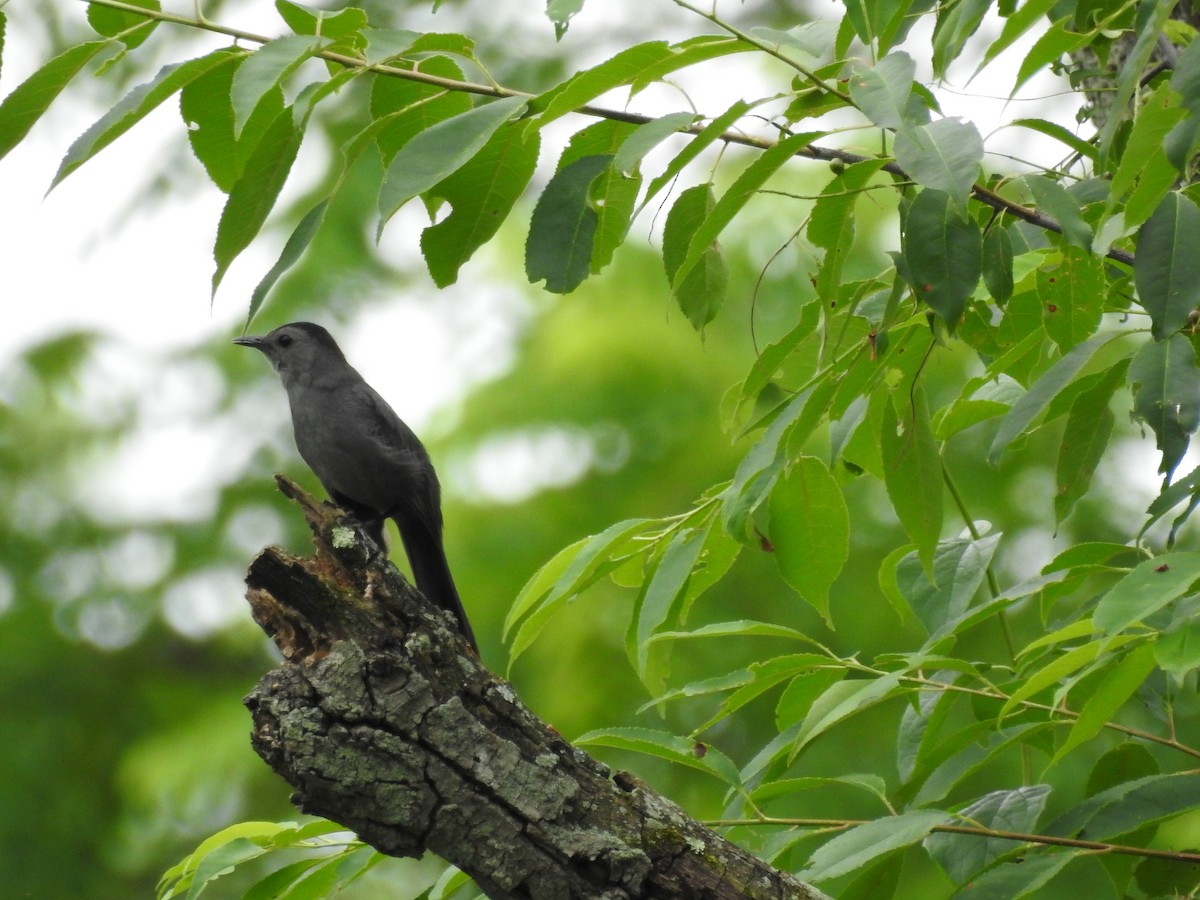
(812, 151)
(383, 721)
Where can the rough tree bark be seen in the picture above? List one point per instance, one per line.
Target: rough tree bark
(383, 721)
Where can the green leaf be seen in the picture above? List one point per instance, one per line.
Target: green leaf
(412, 107)
(345, 23)
(943, 253)
(1023, 18)
(579, 90)
(1177, 650)
(1085, 438)
(1085, 149)
(1012, 882)
(959, 567)
(1167, 267)
(611, 195)
(1143, 157)
(997, 264)
(1045, 389)
(943, 155)
(809, 530)
(1118, 685)
(560, 13)
(439, 151)
(832, 223)
(1072, 295)
(881, 22)
(32, 97)
(296, 244)
(664, 588)
(802, 692)
(563, 227)
(710, 133)
(264, 70)
(701, 48)
(882, 92)
(913, 471)
(963, 856)
(133, 107)
(841, 701)
(662, 745)
(1054, 43)
(125, 25)
(1166, 395)
(648, 136)
(1145, 590)
(1129, 806)
(701, 294)
(1053, 199)
(866, 842)
(482, 193)
(255, 192)
(745, 186)
(956, 22)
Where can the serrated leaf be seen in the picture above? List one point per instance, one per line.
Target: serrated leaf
(254, 194)
(809, 530)
(583, 87)
(1085, 438)
(913, 471)
(1143, 156)
(563, 227)
(882, 92)
(293, 249)
(802, 692)
(1166, 395)
(133, 107)
(1072, 295)
(866, 842)
(1118, 685)
(943, 155)
(129, 27)
(663, 590)
(1012, 882)
(32, 97)
(481, 194)
(746, 185)
(439, 151)
(963, 856)
(1167, 267)
(264, 70)
(1149, 587)
(1045, 389)
(701, 294)
(841, 701)
(943, 253)
(710, 133)
(959, 567)
(997, 264)
(1129, 806)
(341, 24)
(412, 107)
(956, 23)
(611, 195)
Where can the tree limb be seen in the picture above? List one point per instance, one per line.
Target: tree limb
(383, 721)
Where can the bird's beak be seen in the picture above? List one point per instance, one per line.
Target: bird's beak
(256, 342)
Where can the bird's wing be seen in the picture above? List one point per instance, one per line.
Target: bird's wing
(417, 489)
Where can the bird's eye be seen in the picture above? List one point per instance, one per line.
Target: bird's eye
(285, 340)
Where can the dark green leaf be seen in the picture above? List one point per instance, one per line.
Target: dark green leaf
(28, 100)
(1167, 266)
(944, 254)
(1145, 590)
(1013, 882)
(1085, 438)
(612, 196)
(745, 186)
(964, 856)
(133, 107)
(345, 23)
(129, 27)
(1166, 395)
(809, 530)
(439, 151)
(1053, 130)
(563, 227)
(255, 192)
(1055, 42)
(700, 294)
(1143, 158)
(943, 155)
(912, 470)
(296, 244)
(998, 264)
(1129, 806)
(711, 132)
(959, 567)
(482, 193)
(1072, 295)
(689, 52)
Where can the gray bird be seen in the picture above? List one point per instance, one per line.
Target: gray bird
(368, 460)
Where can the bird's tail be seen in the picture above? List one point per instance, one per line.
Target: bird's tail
(431, 572)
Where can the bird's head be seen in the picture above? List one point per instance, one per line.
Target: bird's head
(298, 350)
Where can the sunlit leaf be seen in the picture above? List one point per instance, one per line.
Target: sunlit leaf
(1148, 588)
(1056, 201)
(265, 70)
(1120, 682)
(126, 25)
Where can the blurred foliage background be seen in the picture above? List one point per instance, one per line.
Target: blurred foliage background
(124, 644)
